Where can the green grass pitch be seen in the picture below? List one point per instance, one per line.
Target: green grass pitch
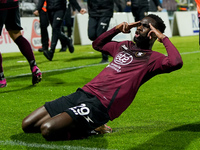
(165, 114)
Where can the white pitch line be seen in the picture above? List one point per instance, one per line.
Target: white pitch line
(78, 67)
(185, 53)
(46, 146)
(63, 69)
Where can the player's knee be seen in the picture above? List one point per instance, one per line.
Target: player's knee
(46, 131)
(51, 134)
(26, 125)
(14, 34)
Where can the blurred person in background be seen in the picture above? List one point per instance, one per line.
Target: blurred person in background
(44, 23)
(198, 10)
(10, 17)
(140, 8)
(155, 6)
(56, 10)
(67, 25)
(119, 5)
(170, 6)
(100, 12)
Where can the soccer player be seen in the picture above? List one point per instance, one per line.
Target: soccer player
(10, 17)
(110, 93)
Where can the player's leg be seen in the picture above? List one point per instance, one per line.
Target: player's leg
(22, 43)
(135, 12)
(33, 122)
(13, 27)
(59, 127)
(64, 127)
(2, 21)
(52, 128)
(44, 23)
(199, 28)
(102, 27)
(2, 78)
(65, 41)
(25, 48)
(92, 27)
(143, 12)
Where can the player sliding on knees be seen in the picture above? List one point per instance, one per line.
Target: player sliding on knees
(110, 93)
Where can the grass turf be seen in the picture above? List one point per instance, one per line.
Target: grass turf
(163, 116)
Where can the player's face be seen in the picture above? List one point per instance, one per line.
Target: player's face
(141, 35)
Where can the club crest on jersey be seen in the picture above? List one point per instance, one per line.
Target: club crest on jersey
(123, 58)
(124, 47)
(139, 54)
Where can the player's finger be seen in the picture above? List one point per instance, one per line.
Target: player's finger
(151, 26)
(134, 24)
(149, 34)
(124, 26)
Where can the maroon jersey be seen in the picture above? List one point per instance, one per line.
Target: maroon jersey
(117, 85)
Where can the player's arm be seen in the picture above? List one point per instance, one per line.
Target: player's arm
(76, 5)
(173, 60)
(155, 33)
(158, 5)
(128, 2)
(104, 41)
(40, 5)
(36, 13)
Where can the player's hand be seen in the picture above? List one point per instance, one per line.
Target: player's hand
(128, 3)
(126, 27)
(36, 13)
(83, 11)
(155, 33)
(159, 8)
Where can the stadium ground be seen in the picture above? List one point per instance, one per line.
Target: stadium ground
(163, 116)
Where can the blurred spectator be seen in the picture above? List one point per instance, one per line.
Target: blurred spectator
(140, 8)
(68, 20)
(127, 7)
(27, 7)
(119, 5)
(44, 23)
(170, 6)
(56, 10)
(100, 13)
(155, 5)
